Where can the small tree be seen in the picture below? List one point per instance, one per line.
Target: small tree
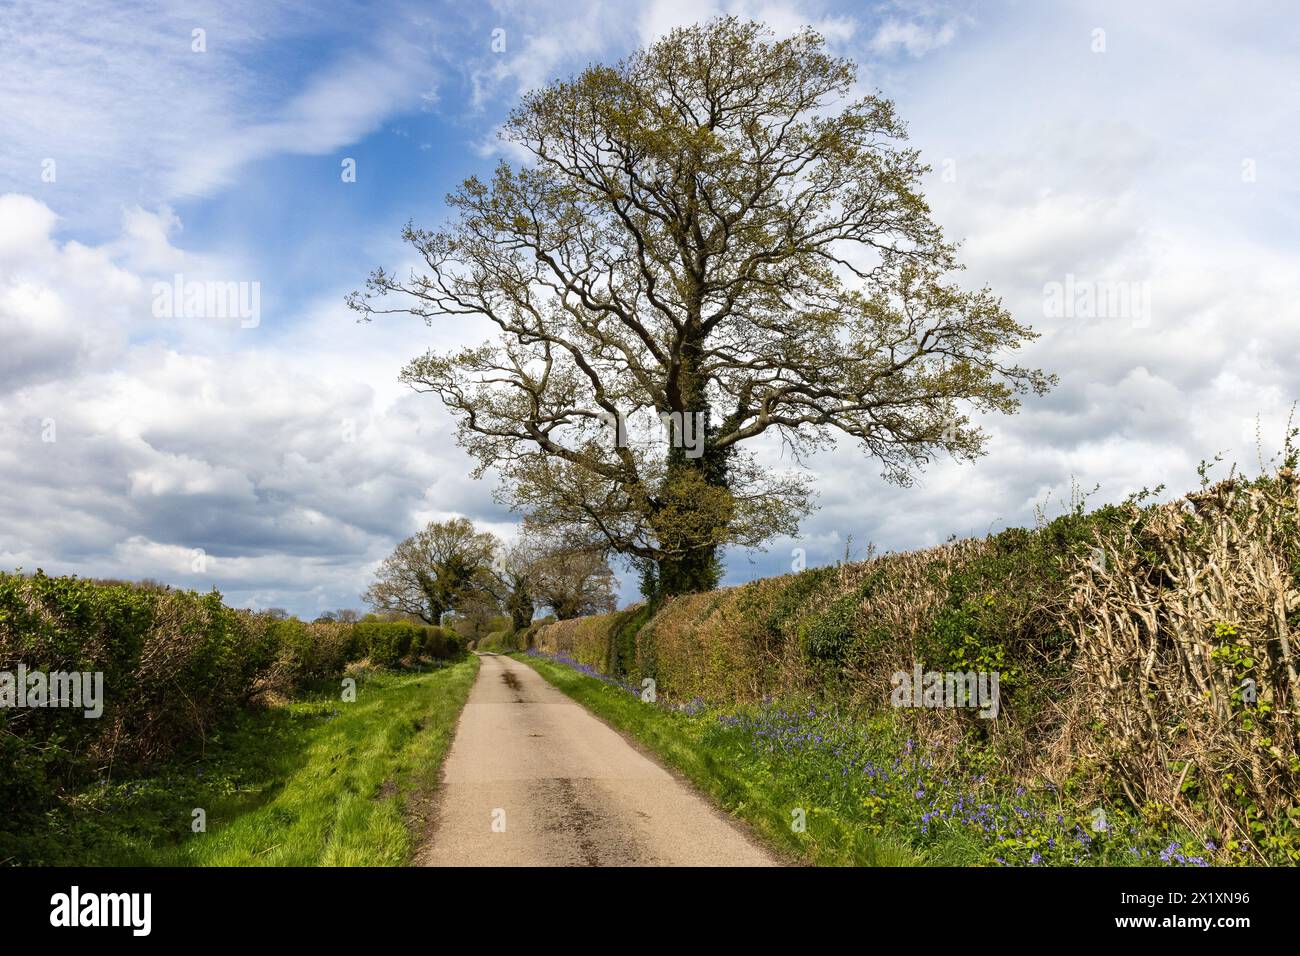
(516, 584)
(573, 581)
(436, 570)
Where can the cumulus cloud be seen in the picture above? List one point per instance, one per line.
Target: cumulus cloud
(917, 39)
(288, 454)
(128, 453)
(1097, 172)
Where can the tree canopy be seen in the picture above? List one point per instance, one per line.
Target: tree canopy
(440, 568)
(572, 581)
(450, 566)
(716, 233)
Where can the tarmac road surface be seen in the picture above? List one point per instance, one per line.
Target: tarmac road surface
(534, 779)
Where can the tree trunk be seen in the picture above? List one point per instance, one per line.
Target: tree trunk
(521, 613)
(695, 568)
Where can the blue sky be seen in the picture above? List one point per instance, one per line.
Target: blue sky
(281, 462)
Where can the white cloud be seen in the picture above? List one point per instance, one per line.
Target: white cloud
(25, 226)
(1114, 167)
(917, 39)
(291, 472)
(125, 107)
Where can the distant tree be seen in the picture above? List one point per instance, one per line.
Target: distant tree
(573, 580)
(278, 613)
(515, 584)
(715, 232)
(478, 620)
(328, 617)
(347, 615)
(569, 577)
(442, 568)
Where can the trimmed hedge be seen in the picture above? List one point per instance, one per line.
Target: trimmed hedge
(388, 642)
(174, 663)
(606, 642)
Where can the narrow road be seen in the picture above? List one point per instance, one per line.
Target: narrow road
(533, 779)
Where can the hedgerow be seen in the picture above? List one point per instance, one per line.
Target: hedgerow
(1147, 654)
(174, 664)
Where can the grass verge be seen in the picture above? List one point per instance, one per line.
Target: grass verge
(314, 782)
(716, 766)
(833, 787)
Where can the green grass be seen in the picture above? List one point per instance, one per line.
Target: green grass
(315, 782)
(712, 763)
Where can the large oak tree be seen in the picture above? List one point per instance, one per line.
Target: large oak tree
(714, 230)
